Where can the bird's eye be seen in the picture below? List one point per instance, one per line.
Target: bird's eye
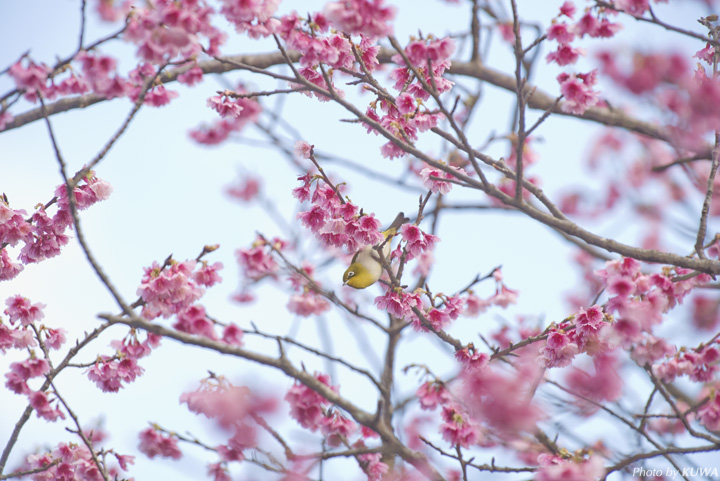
(350, 274)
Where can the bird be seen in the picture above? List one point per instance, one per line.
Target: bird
(366, 267)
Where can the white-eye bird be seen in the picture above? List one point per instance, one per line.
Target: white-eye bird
(366, 268)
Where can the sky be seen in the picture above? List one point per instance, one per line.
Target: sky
(169, 198)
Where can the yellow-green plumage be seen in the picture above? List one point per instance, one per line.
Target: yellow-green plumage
(366, 268)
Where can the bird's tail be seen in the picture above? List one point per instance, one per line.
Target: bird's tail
(399, 220)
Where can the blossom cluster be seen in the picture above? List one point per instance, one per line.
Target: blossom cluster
(313, 412)
(404, 118)
(70, 461)
(235, 114)
(639, 300)
(700, 365)
(444, 308)
(691, 98)
(112, 373)
(577, 88)
(171, 288)
(457, 427)
(154, 443)
(503, 297)
(23, 332)
(234, 408)
(174, 288)
(502, 400)
(171, 31)
(96, 73)
(257, 261)
(564, 343)
(40, 235)
(335, 221)
(306, 300)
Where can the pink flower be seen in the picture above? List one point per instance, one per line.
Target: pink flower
(560, 32)
(705, 313)
(307, 406)
(17, 338)
(709, 414)
(457, 428)
(504, 296)
(170, 290)
(194, 321)
(30, 368)
(32, 77)
(224, 106)
(578, 92)
(633, 7)
(217, 472)
(604, 385)
(191, 77)
(303, 193)
(471, 359)
(92, 190)
(431, 394)
(700, 365)
(248, 16)
(337, 428)
(475, 306)
(17, 383)
(417, 241)
(303, 150)
(313, 219)
(406, 103)
(13, 227)
(503, 400)
(587, 25)
(651, 350)
(159, 96)
(20, 309)
(42, 406)
(170, 31)
(307, 304)
(207, 275)
(245, 437)
(110, 374)
(706, 54)
(589, 323)
(606, 29)
(153, 443)
(54, 338)
(47, 239)
(113, 10)
(373, 466)
(565, 55)
(232, 334)
(132, 348)
(366, 17)
(567, 9)
(230, 405)
(506, 32)
(559, 350)
(245, 189)
(437, 318)
(399, 304)
(430, 176)
(220, 130)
